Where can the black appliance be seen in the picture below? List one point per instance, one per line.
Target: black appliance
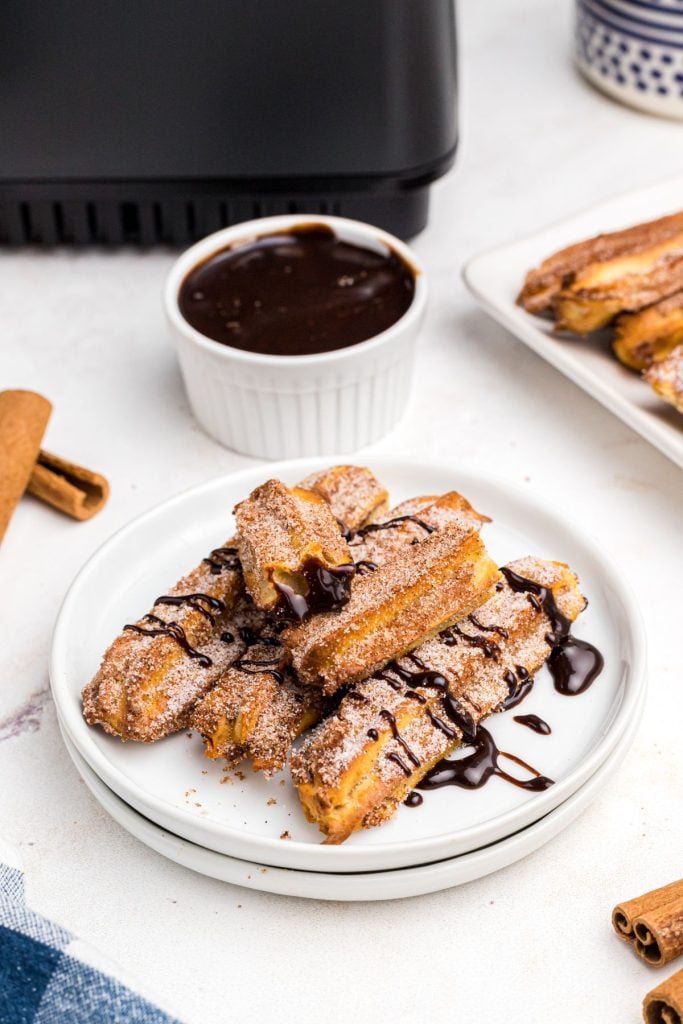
(159, 121)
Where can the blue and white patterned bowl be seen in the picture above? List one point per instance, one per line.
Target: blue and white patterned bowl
(633, 50)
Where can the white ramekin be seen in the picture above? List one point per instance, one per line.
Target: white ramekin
(280, 407)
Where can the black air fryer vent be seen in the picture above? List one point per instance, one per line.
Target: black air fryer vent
(172, 222)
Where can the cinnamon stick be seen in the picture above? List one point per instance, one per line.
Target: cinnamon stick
(23, 419)
(659, 933)
(625, 915)
(74, 490)
(664, 1004)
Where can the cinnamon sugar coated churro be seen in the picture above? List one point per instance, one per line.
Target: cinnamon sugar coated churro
(148, 682)
(392, 610)
(429, 638)
(642, 338)
(292, 552)
(251, 713)
(631, 278)
(357, 766)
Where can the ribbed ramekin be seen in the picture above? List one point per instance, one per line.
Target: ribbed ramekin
(279, 407)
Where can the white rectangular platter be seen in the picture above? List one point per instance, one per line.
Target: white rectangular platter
(495, 278)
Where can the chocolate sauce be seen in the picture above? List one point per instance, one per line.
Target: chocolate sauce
(202, 603)
(175, 632)
(574, 664)
(227, 637)
(559, 623)
(474, 770)
(435, 681)
(365, 566)
(414, 799)
(503, 633)
(254, 667)
(327, 590)
(373, 734)
(248, 636)
(534, 723)
(451, 635)
(414, 695)
(297, 292)
(345, 532)
(439, 724)
(222, 559)
(519, 687)
(397, 759)
(388, 717)
(396, 521)
(395, 684)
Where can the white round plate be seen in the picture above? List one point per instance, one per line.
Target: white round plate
(172, 784)
(377, 885)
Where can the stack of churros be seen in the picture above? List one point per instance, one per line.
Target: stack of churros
(630, 279)
(384, 636)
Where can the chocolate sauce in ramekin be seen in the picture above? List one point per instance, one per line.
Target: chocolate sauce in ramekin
(297, 292)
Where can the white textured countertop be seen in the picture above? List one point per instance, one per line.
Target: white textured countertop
(531, 942)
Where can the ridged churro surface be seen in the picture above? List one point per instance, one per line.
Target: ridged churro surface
(250, 714)
(358, 764)
(393, 609)
(147, 684)
(544, 283)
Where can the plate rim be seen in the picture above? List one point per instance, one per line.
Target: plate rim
(504, 310)
(561, 816)
(272, 850)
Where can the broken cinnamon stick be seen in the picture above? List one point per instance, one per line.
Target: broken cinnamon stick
(664, 1004)
(74, 490)
(643, 909)
(23, 419)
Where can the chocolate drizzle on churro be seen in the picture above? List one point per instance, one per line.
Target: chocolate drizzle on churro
(519, 687)
(202, 603)
(175, 632)
(222, 560)
(454, 633)
(502, 633)
(435, 681)
(327, 589)
(389, 523)
(253, 666)
(397, 759)
(573, 664)
(388, 717)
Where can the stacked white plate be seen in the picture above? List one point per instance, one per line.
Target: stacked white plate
(240, 827)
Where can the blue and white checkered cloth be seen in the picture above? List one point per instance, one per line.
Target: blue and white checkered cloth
(47, 976)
